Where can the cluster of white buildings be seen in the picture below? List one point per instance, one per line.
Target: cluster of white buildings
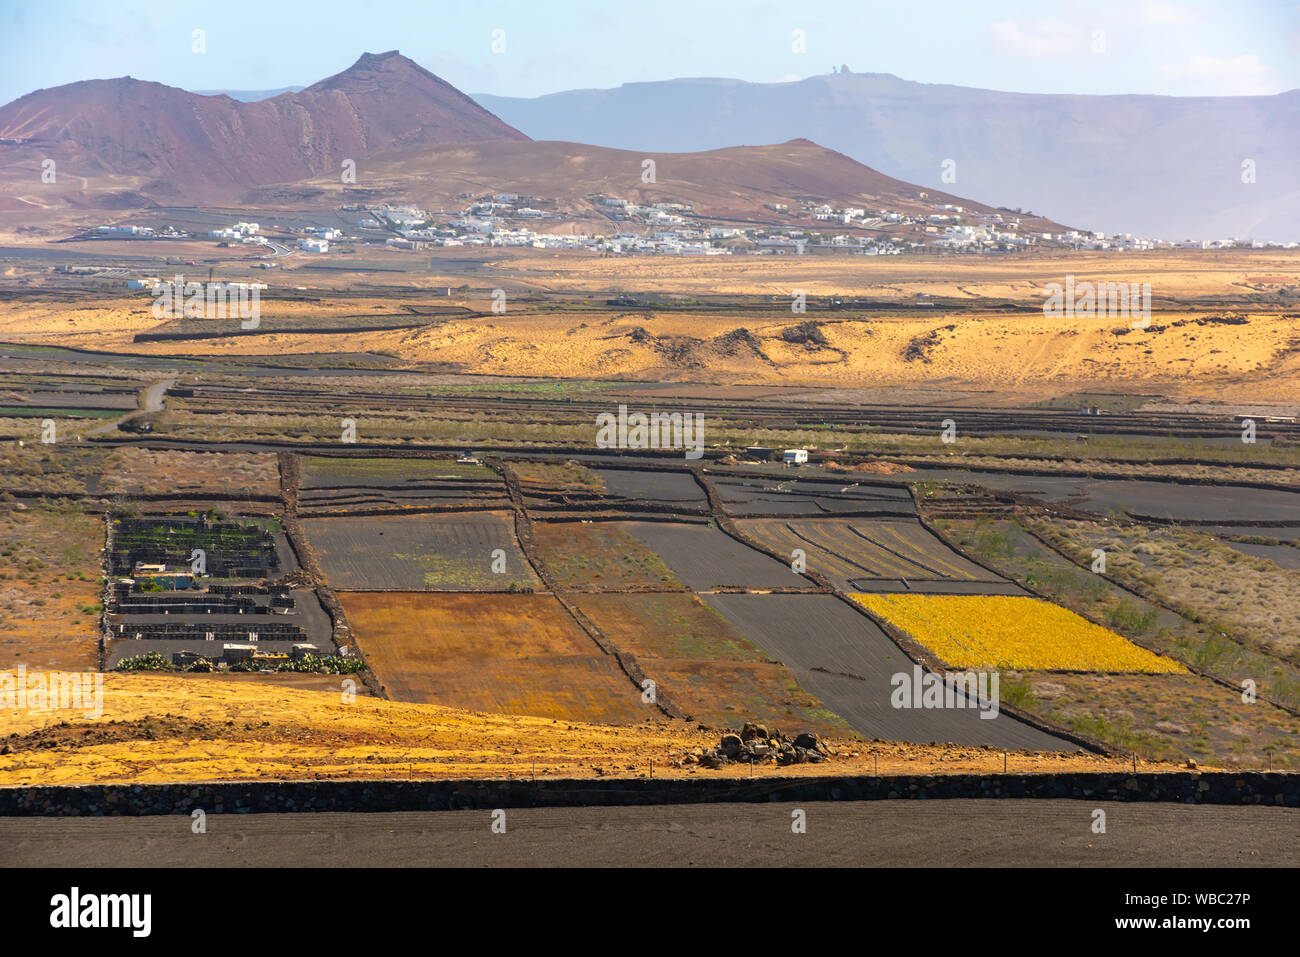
(403, 215)
(653, 214)
(240, 232)
(506, 219)
(141, 231)
(984, 236)
(129, 231)
(848, 216)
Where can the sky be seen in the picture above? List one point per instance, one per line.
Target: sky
(528, 48)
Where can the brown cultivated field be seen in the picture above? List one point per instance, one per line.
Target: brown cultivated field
(705, 666)
(506, 654)
(49, 588)
(557, 476)
(600, 556)
(139, 471)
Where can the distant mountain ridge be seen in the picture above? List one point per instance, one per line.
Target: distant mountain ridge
(251, 96)
(738, 184)
(127, 144)
(184, 145)
(1166, 167)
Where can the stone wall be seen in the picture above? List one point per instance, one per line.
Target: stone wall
(1275, 788)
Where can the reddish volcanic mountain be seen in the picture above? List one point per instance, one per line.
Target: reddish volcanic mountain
(185, 146)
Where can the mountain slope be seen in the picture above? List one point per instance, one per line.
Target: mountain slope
(1156, 166)
(736, 184)
(181, 145)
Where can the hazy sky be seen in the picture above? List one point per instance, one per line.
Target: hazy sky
(1176, 47)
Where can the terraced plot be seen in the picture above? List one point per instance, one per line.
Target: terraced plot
(336, 484)
(705, 558)
(58, 469)
(455, 552)
(506, 654)
(707, 668)
(1170, 501)
(1283, 555)
(600, 556)
(779, 495)
(141, 471)
(1256, 600)
(870, 555)
(652, 486)
(1012, 632)
(373, 472)
(551, 475)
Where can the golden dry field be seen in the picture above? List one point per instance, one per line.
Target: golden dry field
(509, 654)
(158, 728)
(1012, 631)
(49, 588)
(1014, 350)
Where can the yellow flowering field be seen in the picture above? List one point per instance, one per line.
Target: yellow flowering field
(1012, 631)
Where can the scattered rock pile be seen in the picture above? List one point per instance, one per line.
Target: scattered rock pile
(755, 745)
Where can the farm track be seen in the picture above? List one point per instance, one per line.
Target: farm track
(958, 832)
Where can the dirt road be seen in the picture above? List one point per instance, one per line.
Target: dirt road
(953, 833)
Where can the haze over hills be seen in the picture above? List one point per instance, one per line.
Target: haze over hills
(127, 144)
(1167, 167)
(734, 185)
(182, 146)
